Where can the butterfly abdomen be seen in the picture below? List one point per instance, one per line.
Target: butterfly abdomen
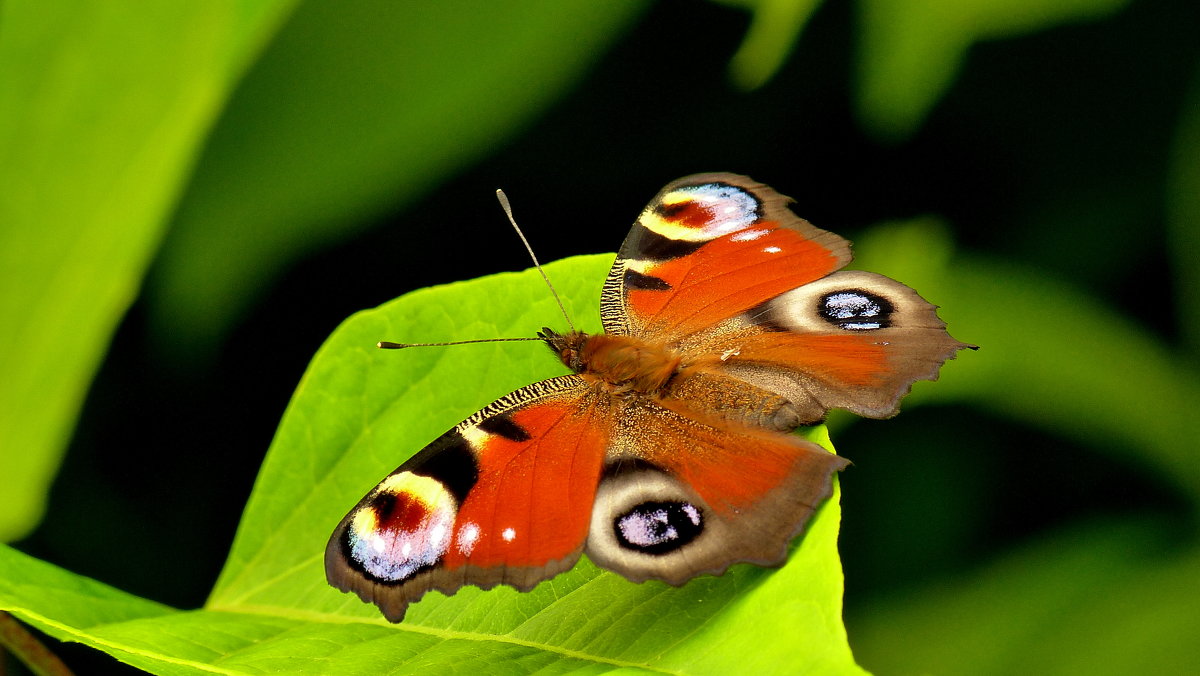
(710, 395)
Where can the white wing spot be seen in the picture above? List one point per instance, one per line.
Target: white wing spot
(509, 534)
(748, 235)
(772, 249)
(468, 535)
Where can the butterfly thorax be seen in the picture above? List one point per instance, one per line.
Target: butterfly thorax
(625, 363)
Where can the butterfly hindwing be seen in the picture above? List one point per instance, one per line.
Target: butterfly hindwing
(686, 493)
(852, 340)
(503, 498)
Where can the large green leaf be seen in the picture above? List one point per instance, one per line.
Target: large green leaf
(357, 413)
(102, 107)
(356, 108)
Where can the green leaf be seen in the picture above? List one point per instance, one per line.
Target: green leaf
(102, 107)
(355, 109)
(912, 51)
(1051, 355)
(359, 412)
(1097, 600)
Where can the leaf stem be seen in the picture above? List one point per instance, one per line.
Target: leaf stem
(27, 648)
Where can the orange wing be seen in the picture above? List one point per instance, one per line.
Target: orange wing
(709, 247)
(686, 493)
(503, 498)
(718, 268)
(852, 340)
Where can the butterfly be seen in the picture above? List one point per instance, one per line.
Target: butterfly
(667, 453)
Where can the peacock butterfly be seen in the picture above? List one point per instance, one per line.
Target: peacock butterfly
(667, 453)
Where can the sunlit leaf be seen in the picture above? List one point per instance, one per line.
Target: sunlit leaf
(101, 109)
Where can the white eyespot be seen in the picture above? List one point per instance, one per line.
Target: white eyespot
(658, 527)
(855, 310)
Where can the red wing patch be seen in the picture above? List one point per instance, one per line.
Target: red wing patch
(503, 498)
(726, 277)
(708, 248)
(531, 504)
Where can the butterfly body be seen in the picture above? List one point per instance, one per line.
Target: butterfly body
(666, 454)
(620, 363)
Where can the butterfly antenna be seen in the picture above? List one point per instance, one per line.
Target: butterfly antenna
(508, 212)
(385, 345)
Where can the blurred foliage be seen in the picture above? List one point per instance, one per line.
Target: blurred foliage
(1037, 171)
(910, 52)
(399, 109)
(102, 109)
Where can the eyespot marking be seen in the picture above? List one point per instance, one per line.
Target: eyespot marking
(856, 310)
(658, 527)
(402, 529)
(702, 213)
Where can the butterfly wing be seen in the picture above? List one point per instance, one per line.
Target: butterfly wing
(684, 493)
(703, 474)
(709, 247)
(503, 498)
(719, 268)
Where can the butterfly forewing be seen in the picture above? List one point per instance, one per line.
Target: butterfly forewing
(707, 248)
(503, 498)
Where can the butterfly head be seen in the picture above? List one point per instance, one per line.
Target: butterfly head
(568, 346)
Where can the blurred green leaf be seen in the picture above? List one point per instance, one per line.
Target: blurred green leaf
(1183, 220)
(356, 108)
(357, 413)
(773, 32)
(1094, 600)
(911, 51)
(102, 107)
(1051, 355)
